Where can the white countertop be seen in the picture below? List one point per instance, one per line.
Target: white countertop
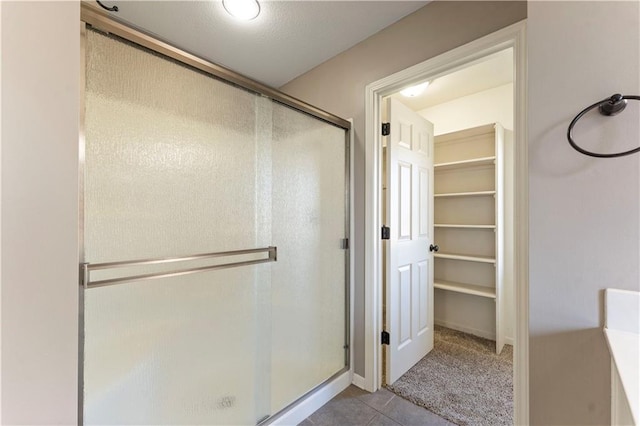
(622, 316)
(625, 350)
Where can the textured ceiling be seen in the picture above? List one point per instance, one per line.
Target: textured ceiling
(287, 39)
(493, 71)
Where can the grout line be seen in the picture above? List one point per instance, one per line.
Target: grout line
(372, 418)
(393, 395)
(384, 405)
(383, 415)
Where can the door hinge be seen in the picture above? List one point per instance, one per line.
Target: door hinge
(344, 244)
(385, 233)
(386, 129)
(384, 338)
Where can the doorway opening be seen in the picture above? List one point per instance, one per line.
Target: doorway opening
(447, 196)
(469, 200)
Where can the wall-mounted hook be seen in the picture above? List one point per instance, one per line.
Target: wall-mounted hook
(616, 104)
(110, 9)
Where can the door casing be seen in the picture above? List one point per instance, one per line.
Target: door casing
(513, 36)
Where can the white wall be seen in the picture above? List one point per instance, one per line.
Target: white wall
(40, 106)
(472, 314)
(584, 212)
(489, 106)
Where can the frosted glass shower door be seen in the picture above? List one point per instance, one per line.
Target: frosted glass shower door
(309, 330)
(175, 351)
(179, 164)
(172, 168)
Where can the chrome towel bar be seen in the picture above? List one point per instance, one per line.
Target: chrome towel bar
(86, 268)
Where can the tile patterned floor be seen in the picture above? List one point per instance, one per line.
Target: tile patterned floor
(360, 408)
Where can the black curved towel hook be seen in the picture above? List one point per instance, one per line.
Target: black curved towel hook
(610, 106)
(110, 9)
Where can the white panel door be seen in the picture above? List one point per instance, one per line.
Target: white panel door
(409, 213)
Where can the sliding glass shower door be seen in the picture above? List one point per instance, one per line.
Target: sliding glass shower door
(215, 287)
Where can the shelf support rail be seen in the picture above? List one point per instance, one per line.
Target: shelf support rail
(87, 268)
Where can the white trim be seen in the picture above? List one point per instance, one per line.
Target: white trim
(521, 231)
(470, 330)
(372, 244)
(358, 381)
(0, 207)
(313, 402)
(511, 36)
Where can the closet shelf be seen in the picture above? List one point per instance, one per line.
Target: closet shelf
(475, 290)
(481, 259)
(469, 203)
(465, 163)
(456, 225)
(466, 194)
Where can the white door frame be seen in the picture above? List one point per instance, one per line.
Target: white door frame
(512, 36)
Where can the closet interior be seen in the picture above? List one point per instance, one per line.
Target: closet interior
(469, 216)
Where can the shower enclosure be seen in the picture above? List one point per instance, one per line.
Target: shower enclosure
(214, 242)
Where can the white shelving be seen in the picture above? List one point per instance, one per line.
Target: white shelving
(465, 163)
(466, 258)
(469, 210)
(458, 225)
(466, 194)
(475, 290)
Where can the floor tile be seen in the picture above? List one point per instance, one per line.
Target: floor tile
(382, 420)
(305, 422)
(343, 410)
(409, 414)
(352, 392)
(377, 399)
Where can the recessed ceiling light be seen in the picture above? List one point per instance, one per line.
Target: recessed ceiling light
(413, 91)
(245, 10)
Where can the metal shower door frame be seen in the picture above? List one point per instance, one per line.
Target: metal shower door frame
(104, 22)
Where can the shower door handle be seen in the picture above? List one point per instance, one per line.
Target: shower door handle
(433, 248)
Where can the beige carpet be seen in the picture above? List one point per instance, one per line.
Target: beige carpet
(463, 380)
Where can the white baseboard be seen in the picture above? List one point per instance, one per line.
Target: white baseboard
(359, 381)
(313, 402)
(475, 331)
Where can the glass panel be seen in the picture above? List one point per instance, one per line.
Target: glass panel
(170, 158)
(178, 350)
(308, 313)
(171, 170)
